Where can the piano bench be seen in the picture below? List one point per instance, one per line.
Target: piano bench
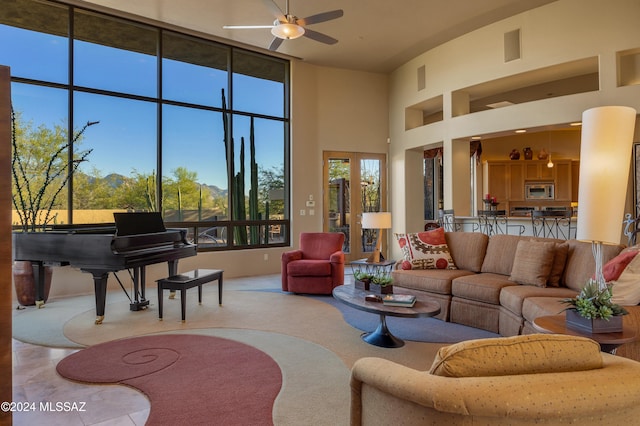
(188, 280)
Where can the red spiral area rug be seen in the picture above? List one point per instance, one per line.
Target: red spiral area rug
(188, 378)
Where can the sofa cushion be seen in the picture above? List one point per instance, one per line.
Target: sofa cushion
(532, 262)
(529, 354)
(467, 249)
(534, 307)
(513, 297)
(500, 254)
(431, 280)
(483, 287)
(559, 262)
(581, 264)
(309, 268)
(425, 250)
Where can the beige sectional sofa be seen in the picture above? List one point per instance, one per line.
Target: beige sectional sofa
(497, 288)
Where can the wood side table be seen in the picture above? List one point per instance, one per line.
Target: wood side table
(609, 342)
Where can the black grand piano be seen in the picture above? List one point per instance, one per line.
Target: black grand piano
(132, 242)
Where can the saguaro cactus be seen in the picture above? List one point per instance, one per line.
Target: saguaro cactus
(239, 210)
(238, 201)
(253, 191)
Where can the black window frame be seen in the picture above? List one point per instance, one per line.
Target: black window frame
(263, 225)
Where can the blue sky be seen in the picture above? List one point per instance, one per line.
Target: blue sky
(125, 139)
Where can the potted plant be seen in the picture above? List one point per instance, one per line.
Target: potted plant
(381, 282)
(592, 310)
(40, 171)
(362, 279)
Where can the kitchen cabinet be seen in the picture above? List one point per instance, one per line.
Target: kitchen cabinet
(516, 182)
(496, 178)
(564, 181)
(575, 180)
(538, 170)
(505, 180)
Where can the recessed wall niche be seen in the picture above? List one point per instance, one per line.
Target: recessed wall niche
(422, 78)
(563, 79)
(628, 67)
(423, 113)
(512, 45)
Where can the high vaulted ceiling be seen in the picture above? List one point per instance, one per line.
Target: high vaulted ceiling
(374, 35)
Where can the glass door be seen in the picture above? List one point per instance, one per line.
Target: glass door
(354, 183)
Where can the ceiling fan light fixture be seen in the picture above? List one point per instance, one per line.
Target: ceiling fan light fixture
(287, 31)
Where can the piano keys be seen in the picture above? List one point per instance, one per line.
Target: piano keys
(133, 242)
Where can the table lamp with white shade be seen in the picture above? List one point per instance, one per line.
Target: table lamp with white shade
(379, 221)
(605, 157)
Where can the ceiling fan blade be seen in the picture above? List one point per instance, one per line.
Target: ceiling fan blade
(322, 38)
(275, 43)
(275, 10)
(245, 27)
(320, 17)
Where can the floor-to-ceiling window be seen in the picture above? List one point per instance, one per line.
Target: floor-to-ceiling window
(163, 121)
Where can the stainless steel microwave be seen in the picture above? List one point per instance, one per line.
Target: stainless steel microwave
(539, 191)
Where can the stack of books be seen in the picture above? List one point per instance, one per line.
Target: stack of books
(403, 300)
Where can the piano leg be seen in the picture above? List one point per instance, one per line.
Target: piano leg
(139, 302)
(143, 282)
(39, 276)
(100, 288)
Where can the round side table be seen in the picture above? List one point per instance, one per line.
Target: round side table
(609, 342)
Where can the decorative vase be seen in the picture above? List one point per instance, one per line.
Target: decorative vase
(362, 285)
(542, 155)
(378, 289)
(514, 154)
(596, 325)
(25, 284)
(528, 153)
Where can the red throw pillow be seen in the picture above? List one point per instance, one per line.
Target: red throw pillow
(613, 268)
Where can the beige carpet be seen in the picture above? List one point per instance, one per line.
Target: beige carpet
(245, 306)
(309, 339)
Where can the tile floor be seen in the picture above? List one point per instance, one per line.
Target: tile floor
(35, 380)
(36, 383)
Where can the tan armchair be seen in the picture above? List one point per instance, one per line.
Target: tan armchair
(549, 380)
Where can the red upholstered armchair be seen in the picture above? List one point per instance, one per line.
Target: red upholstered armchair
(317, 267)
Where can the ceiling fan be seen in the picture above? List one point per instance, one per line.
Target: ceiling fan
(289, 27)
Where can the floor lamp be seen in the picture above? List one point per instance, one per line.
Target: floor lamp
(379, 221)
(605, 157)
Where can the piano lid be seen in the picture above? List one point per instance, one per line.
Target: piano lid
(138, 223)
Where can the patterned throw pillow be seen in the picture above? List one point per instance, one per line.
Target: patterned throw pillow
(425, 250)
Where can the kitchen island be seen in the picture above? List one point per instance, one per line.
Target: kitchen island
(551, 227)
